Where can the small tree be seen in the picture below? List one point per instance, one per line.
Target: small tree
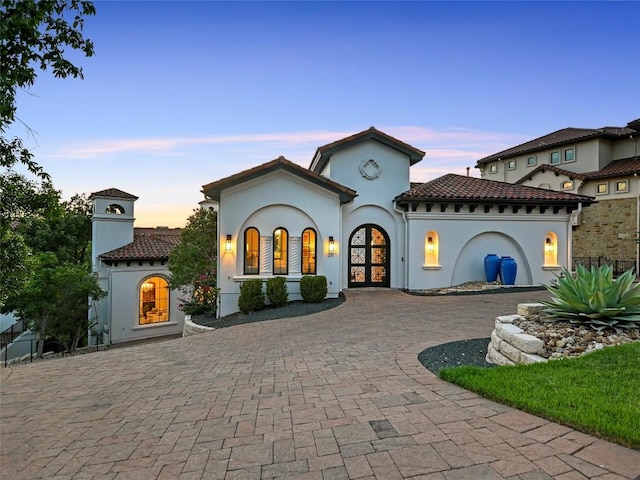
(192, 263)
(55, 301)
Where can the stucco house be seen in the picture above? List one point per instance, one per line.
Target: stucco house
(131, 264)
(603, 163)
(355, 217)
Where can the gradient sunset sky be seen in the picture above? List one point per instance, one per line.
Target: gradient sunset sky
(180, 94)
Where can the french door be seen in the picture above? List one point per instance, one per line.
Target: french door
(369, 257)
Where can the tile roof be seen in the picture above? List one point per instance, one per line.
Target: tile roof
(212, 190)
(552, 168)
(561, 137)
(148, 244)
(323, 154)
(113, 193)
(618, 168)
(452, 187)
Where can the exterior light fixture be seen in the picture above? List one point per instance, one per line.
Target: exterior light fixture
(332, 245)
(548, 246)
(431, 247)
(147, 286)
(227, 244)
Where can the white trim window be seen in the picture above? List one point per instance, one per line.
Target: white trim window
(493, 168)
(511, 165)
(531, 161)
(602, 188)
(622, 186)
(569, 155)
(554, 158)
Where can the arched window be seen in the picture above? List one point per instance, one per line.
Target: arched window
(280, 251)
(551, 249)
(154, 300)
(251, 251)
(115, 208)
(308, 251)
(431, 249)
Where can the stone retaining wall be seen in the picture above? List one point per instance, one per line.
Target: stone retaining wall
(510, 345)
(191, 328)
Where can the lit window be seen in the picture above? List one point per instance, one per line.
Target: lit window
(551, 249)
(555, 158)
(569, 155)
(602, 188)
(154, 301)
(280, 252)
(511, 165)
(308, 252)
(621, 186)
(431, 249)
(251, 251)
(567, 185)
(493, 168)
(531, 161)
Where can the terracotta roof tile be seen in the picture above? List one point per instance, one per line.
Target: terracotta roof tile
(560, 137)
(212, 190)
(618, 168)
(148, 244)
(552, 168)
(452, 187)
(322, 155)
(113, 193)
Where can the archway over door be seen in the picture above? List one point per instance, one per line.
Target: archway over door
(369, 257)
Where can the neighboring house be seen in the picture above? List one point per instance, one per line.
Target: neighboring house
(603, 163)
(355, 217)
(132, 267)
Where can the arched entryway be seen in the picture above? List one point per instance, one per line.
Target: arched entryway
(369, 257)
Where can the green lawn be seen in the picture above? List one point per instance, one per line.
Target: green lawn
(598, 394)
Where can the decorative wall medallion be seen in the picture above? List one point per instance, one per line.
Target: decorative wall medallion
(370, 169)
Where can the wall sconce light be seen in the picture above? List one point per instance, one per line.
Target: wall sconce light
(548, 246)
(431, 247)
(227, 244)
(332, 245)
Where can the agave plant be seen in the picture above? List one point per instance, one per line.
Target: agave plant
(592, 297)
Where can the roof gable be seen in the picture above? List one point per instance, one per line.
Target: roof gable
(452, 187)
(213, 190)
(324, 153)
(543, 168)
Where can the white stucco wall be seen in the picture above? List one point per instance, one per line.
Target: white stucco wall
(466, 238)
(374, 203)
(277, 199)
(124, 287)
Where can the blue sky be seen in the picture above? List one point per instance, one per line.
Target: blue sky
(180, 94)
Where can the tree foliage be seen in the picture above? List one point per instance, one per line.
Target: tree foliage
(193, 261)
(34, 35)
(195, 255)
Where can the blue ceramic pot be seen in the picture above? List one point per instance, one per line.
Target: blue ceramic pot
(508, 270)
(491, 267)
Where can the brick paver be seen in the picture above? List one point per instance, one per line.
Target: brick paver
(335, 395)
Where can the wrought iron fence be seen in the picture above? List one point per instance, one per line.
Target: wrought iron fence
(619, 266)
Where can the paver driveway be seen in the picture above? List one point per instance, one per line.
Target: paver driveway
(335, 395)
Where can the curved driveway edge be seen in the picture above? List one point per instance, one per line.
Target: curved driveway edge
(335, 395)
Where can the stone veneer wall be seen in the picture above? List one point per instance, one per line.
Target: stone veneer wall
(608, 229)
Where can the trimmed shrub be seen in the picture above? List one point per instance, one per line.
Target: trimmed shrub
(313, 288)
(251, 296)
(277, 291)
